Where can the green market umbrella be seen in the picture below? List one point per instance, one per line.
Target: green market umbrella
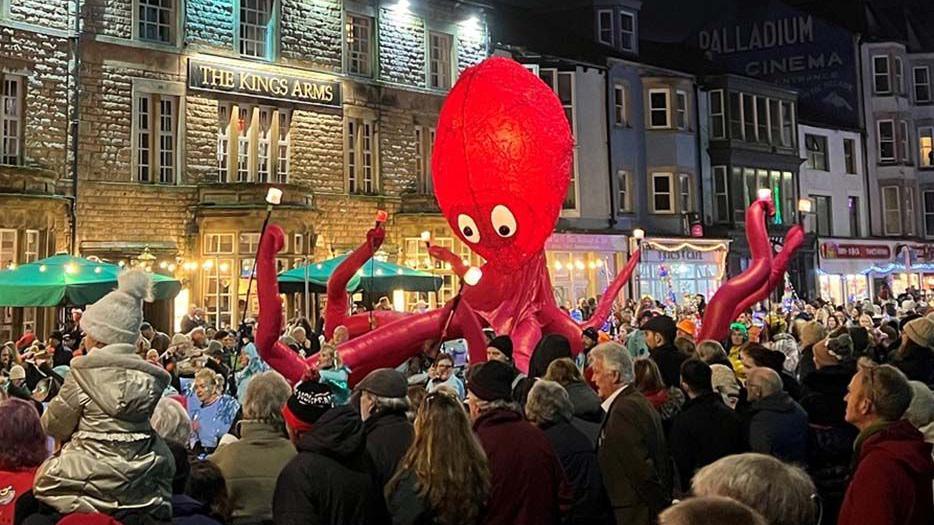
(373, 276)
(66, 279)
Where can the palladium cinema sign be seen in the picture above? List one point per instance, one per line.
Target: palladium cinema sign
(218, 78)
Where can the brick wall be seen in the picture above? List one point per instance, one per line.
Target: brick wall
(311, 33)
(210, 23)
(46, 13)
(44, 60)
(108, 17)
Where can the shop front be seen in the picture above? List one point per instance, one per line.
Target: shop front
(582, 266)
(675, 270)
(852, 270)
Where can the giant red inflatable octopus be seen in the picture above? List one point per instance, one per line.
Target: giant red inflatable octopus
(501, 169)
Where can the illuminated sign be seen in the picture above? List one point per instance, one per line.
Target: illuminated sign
(833, 250)
(241, 81)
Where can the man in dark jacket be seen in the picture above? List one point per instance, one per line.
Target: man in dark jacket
(157, 340)
(776, 423)
(891, 483)
(631, 449)
(660, 336)
(527, 483)
(61, 356)
(706, 429)
(332, 479)
(383, 400)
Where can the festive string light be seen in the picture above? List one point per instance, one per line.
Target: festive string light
(42, 268)
(98, 269)
(207, 265)
(683, 245)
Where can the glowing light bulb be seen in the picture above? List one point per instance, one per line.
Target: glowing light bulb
(399, 271)
(379, 271)
(11, 266)
(426, 236)
(71, 268)
(472, 275)
(579, 265)
(42, 268)
(274, 196)
(207, 265)
(764, 193)
(638, 234)
(163, 265)
(97, 270)
(172, 267)
(804, 205)
(558, 265)
(121, 264)
(224, 267)
(319, 266)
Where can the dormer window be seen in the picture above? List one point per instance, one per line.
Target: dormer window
(627, 31)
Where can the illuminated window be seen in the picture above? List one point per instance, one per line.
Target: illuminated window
(262, 149)
(31, 249)
(619, 105)
(7, 248)
(686, 200)
(926, 147)
(682, 110)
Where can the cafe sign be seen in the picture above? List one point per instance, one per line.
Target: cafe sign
(218, 78)
(833, 250)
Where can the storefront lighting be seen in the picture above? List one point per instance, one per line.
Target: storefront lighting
(558, 265)
(805, 205)
(71, 268)
(592, 265)
(599, 263)
(472, 275)
(638, 234)
(471, 29)
(11, 266)
(207, 265)
(579, 265)
(274, 196)
(764, 193)
(224, 267)
(163, 265)
(172, 267)
(426, 236)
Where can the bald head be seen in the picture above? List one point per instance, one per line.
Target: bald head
(766, 380)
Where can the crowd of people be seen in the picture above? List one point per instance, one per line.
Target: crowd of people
(812, 414)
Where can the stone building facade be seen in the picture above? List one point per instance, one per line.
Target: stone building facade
(34, 169)
(186, 124)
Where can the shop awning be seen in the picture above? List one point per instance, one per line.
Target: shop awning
(374, 276)
(66, 279)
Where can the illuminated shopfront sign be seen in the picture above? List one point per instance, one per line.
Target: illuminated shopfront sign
(223, 78)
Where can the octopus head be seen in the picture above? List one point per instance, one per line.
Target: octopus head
(501, 162)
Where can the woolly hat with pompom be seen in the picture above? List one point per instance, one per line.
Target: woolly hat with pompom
(117, 316)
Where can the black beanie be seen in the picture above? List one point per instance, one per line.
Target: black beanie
(502, 343)
(309, 401)
(663, 325)
(491, 381)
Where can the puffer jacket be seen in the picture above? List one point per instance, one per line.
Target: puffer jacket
(112, 460)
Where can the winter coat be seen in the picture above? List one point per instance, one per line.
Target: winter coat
(822, 394)
(578, 458)
(331, 480)
(251, 467)
(917, 364)
(406, 506)
(588, 414)
(669, 359)
(778, 426)
(13, 484)
(189, 511)
(634, 459)
(388, 436)
(113, 460)
(527, 484)
(705, 431)
(891, 482)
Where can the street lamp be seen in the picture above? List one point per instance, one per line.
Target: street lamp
(273, 198)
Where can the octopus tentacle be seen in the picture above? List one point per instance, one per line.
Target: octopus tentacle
(609, 296)
(335, 313)
(794, 239)
(445, 255)
(719, 312)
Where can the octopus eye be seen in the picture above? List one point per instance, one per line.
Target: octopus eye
(468, 227)
(503, 221)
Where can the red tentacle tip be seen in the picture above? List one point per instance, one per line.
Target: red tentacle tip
(275, 238)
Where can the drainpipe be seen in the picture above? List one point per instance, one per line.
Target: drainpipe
(609, 142)
(865, 133)
(700, 159)
(75, 79)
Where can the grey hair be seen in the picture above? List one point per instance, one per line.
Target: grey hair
(921, 410)
(171, 421)
(782, 493)
(615, 357)
(206, 374)
(710, 509)
(709, 350)
(484, 406)
(766, 379)
(265, 395)
(548, 402)
(389, 404)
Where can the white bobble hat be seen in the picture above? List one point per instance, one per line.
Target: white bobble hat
(117, 316)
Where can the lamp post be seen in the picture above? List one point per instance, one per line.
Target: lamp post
(273, 198)
(638, 234)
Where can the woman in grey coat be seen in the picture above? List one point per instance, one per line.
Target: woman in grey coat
(111, 460)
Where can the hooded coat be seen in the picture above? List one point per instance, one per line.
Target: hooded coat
(891, 482)
(331, 480)
(112, 460)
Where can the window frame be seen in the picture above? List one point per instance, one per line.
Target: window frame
(876, 75)
(909, 218)
(817, 159)
(19, 119)
(619, 105)
(880, 141)
(854, 216)
(925, 85)
(14, 253)
(624, 195)
(349, 38)
(155, 152)
(601, 29)
(355, 140)
(671, 192)
(652, 110)
(555, 75)
(722, 210)
(445, 74)
(903, 145)
(926, 161)
(31, 240)
(424, 146)
(928, 232)
(898, 72)
(232, 236)
(682, 117)
(886, 211)
(271, 30)
(173, 26)
(632, 34)
(685, 193)
(850, 164)
(717, 94)
(229, 136)
(818, 223)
